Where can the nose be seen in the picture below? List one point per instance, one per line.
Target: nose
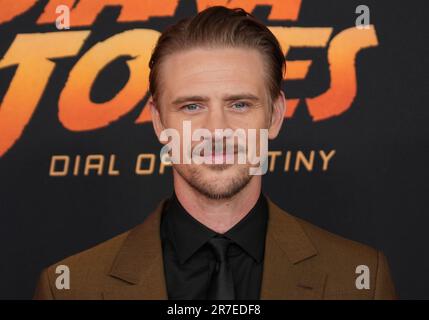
(216, 119)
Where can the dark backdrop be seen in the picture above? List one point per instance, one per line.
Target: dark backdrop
(374, 191)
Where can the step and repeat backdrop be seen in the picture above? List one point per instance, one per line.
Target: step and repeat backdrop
(79, 161)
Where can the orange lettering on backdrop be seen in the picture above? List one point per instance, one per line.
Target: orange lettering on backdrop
(342, 53)
(86, 11)
(296, 37)
(76, 110)
(280, 10)
(10, 9)
(31, 53)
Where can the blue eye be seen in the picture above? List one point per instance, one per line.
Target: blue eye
(191, 107)
(240, 105)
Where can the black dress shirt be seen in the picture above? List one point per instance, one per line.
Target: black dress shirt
(189, 262)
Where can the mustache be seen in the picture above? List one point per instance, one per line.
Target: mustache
(219, 147)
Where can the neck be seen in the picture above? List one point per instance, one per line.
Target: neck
(218, 215)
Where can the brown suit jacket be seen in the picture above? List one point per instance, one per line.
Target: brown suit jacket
(301, 261)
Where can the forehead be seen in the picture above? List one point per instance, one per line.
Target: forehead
(212, 71)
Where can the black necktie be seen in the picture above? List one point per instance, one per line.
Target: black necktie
(221, 285)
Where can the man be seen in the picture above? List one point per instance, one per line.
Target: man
(218, 236)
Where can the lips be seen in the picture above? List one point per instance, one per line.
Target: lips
(220, 158)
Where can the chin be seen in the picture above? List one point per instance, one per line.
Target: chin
(216, 181)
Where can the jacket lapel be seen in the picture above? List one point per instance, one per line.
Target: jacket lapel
(139, 262)
(287, 273)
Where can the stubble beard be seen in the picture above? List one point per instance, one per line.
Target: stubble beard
(216, 190)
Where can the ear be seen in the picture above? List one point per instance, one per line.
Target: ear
(156, 118)
(277, 116)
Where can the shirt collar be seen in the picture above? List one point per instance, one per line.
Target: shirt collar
(249, 233)
(188, 234)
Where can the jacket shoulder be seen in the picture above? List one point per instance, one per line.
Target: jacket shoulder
(330, 244)
(85, 270)
(346, 263)
(97, 256)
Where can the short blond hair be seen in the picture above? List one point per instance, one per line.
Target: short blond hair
(216, 27)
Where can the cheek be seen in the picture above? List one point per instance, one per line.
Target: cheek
(258, 119)
(254, 119)
(172, 120)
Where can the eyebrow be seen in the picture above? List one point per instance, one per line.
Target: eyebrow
(227, 98)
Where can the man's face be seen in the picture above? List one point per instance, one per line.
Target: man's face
(214, 89)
